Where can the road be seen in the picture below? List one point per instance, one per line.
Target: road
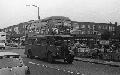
(38, 67)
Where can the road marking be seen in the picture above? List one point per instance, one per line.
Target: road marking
(78, 73)
(38, 64)
(71, 72)
(68, 71)
(58, 69)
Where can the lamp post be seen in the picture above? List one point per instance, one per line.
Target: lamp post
(38, 10)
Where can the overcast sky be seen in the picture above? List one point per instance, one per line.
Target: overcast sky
(13, 12)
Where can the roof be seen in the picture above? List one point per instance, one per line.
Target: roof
(7, 53)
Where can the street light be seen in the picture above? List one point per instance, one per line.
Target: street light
(38, 10)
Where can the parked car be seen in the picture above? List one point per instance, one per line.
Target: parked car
(12, 64)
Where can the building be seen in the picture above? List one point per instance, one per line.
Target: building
(50, 26)
(58, 24)
(92, 28)
(13, 33)
(91, 32)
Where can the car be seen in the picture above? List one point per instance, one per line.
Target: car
(12, 64)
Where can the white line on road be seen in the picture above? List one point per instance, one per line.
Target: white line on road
(78, 73)
(68, 71)
(38, 64)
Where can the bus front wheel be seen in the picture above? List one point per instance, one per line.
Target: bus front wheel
(69, 59)
(30, 54)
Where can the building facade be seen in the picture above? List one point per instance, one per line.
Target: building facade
(90, 32)
(59, 25)
(92, 28)
(54, 25)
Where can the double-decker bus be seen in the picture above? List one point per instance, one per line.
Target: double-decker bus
(49, 47)
(48, 39)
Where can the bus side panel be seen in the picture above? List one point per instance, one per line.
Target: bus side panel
(40, 51)
(52, 49)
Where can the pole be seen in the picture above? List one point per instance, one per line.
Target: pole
(38, 10)
(38, 14)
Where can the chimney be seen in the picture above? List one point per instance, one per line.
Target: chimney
(116, 23)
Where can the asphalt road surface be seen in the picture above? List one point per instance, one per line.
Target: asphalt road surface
(39, 67)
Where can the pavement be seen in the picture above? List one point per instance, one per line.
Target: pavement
(98, 61)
